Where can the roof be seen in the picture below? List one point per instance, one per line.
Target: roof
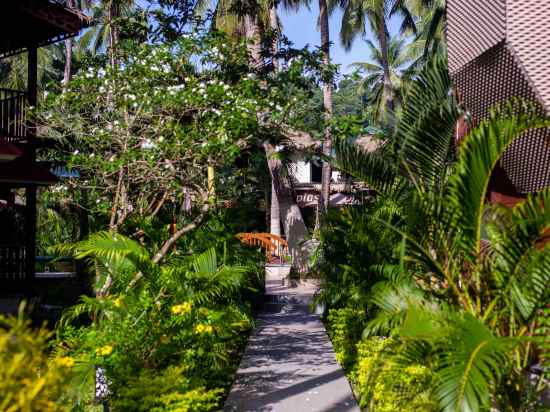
(19, 173)
(369, 143)
(30, 23)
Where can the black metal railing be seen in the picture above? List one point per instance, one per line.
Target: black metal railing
(13, 263)
(13, 105)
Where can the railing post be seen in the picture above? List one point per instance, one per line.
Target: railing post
(30, 192)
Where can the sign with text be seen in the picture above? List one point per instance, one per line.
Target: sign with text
(310, 198)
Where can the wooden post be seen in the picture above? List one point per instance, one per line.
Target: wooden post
(211, 183)
(30, 209)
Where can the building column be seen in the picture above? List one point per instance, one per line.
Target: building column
(30, 192)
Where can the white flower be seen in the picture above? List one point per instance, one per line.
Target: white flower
(101, 72)
(92, 155)
(148, 144)
(76, 152)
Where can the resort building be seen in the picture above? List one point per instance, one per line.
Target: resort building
(25, 25)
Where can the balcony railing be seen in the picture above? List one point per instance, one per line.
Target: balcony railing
(13, 104)
(13, 262)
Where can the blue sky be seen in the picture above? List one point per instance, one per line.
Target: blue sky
(301, 29)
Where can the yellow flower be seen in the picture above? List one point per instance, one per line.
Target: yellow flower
(66, 361)
(118, 302)
(201, 328)
(181, 309)
(104, 350)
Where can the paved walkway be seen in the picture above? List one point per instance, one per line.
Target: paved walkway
(289, 363)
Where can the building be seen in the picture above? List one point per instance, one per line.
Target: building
(25, 25)
(498, 50)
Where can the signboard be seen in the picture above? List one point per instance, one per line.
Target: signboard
(310, 198)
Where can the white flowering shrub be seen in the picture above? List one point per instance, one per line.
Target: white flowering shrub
(146, 130)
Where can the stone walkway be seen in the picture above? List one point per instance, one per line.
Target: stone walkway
(289, 363)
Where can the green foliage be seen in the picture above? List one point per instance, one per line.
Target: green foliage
(167, 390)
(466, 286)
(384, 385)
(176, 327)
(29, 379)
(345, 328)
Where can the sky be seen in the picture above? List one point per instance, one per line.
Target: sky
(301, 28)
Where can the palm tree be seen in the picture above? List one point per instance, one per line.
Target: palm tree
(373, 84)
(470, 283)
(357, 14)
(429, 23)
(327, 105)
(104, 35)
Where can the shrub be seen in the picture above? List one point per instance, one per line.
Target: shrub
(385, 385)
(166, 390)
(29, 380)
(345, 327)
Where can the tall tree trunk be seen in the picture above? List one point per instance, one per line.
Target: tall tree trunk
(293, 222)
(113, 14)
(327, 104)
(294, 226)
(274, 26)
(252, 32)
(275, 213)
(68, 53)
(383, 40)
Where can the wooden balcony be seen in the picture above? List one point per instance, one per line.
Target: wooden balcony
(13, 262)
(13, 110)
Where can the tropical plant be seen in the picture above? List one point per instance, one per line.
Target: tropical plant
(484, 273)
(372, 85)
(179, 323)
(30, 379)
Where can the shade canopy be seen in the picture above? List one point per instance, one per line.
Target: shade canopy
(21, 173)
(8, 152)
(35, 23)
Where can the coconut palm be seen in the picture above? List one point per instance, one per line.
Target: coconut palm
(358, 15)
(104, 35)
(429, 23)
(480, 276)
(399, 61)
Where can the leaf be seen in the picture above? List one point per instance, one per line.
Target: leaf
(469, 364)
(478, 156)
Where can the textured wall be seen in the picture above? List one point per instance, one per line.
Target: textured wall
(500, 49)
(479, 24)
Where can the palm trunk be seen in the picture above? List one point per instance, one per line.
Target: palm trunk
(289, 212)
(113, 14)
(275, 212)
(383, 40)
(327, 103)
(252, 31)
(293, 222)
(274, 25)
(68, 54)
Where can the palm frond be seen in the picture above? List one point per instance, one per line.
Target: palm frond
(424, 135)
(522, 271)
(478, 156)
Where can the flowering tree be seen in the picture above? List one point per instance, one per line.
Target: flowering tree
(143, 134)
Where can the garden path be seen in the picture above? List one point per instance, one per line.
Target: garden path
(289, 364)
